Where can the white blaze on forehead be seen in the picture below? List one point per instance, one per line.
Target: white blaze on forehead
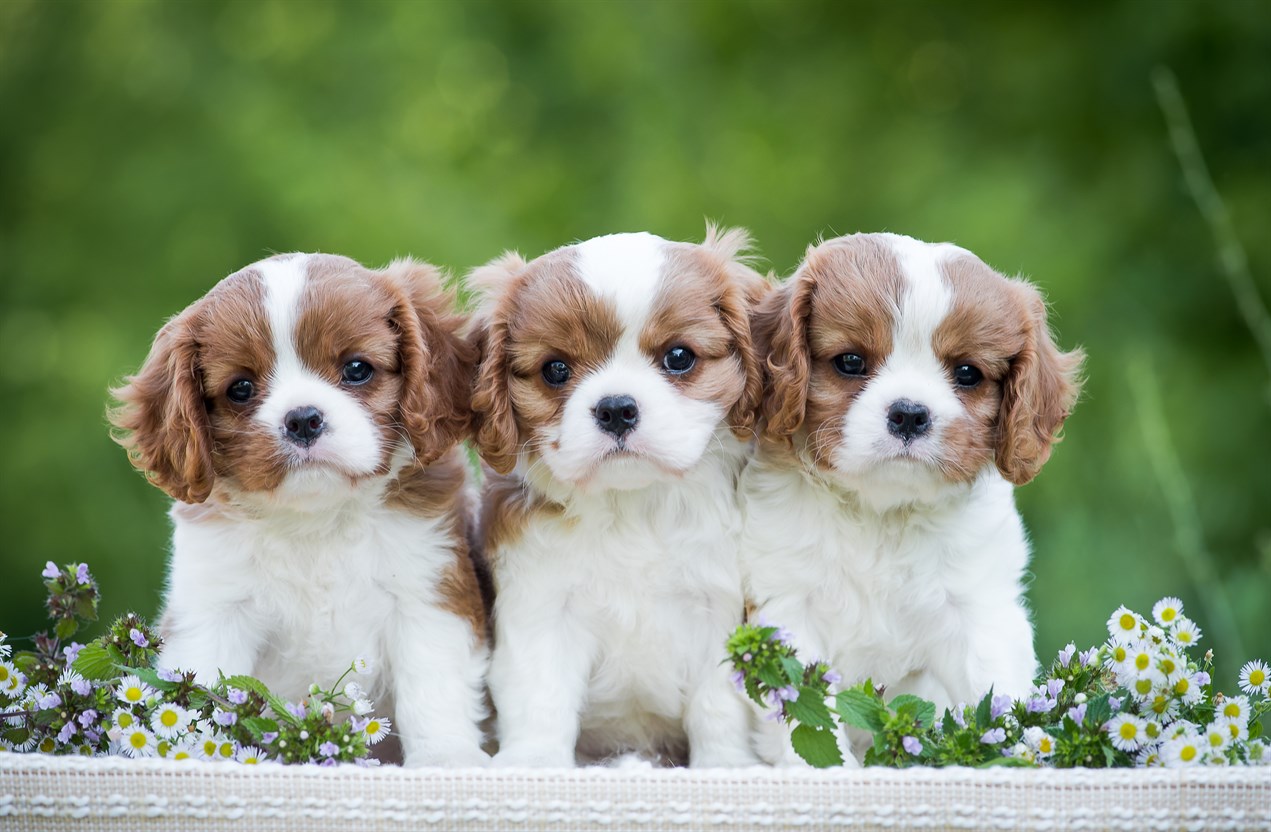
(284, 279)
(926, 297)
(626, 269)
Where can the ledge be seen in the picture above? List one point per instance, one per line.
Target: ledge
(53, 793)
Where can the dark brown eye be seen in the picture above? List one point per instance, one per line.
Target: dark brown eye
(967, 375)
(679, 360)
(850, 364)
(556, 373)
(241, 391)
(357, 372)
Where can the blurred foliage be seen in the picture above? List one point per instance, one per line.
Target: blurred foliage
(149, 148)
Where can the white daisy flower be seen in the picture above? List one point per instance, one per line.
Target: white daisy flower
(1118, 658)
(1215, 737)
(354, 691)
(137, 742)
(169, 720)
(1171, 665)
(1149, 757)
(1167, 610)
(12, 682)
(1185, 632)
(1039, 742)
(362, 665)
(1181, 728)
(1162, 707)
(1254, 677)
(1236, 708)
(1154, 635)
(1188, 690)
(183, 751)
(250, 755)
(1128, 732)
(1147, 684)
(1142, 658)
(123, 719)
(1152, 730)
(376, 729)
(362, 707)
(1124, 625)
(1258, 752)
(1236, 730)
(1186, 750)
(207, 745)
(132, 691)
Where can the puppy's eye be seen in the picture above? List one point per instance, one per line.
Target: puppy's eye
(967, 375)
(357, 372)
(850, 364)
(240, 391)
(556, 373)
(679, 360)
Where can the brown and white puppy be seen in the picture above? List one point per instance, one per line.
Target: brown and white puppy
(909, 387)
(615, 394)
(305, 414)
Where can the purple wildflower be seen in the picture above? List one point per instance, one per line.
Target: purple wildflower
(357, 723)
(328, 749)
(71, 651)
(87, 718)
(1001, 704)
(327, 763)
(297, 709)
(788, 694)
(1065, 655)
(268, 737)
(224, 718)
(831, 677)
(911, 745)
(92, 735)
(1087, 657)
(50, 570)
(1114, 702)
(81, 574)
(739, 679)
(1053, 687)
(236, 696)
(48, 702)
(959, 715)
(138, 638)
(775, 716)
(1040, 705)
(68, 731)
(1202, 678)
(168, 675)
(82, 687)
(367, 762)
(1077, 714)
(784, 636)
(993, 736)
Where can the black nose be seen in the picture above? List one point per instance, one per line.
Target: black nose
(908, 420)
(617, 414)
(304, 425)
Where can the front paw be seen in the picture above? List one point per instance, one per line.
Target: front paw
(457, 756)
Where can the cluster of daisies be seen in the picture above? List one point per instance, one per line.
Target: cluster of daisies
(108, 698)
(1138, 700)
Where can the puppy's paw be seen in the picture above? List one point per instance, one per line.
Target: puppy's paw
(532, 757)
(456, 756)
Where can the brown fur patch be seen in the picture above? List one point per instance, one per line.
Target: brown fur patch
(507, 504)
(844, 298)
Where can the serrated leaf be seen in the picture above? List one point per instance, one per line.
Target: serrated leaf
(924, 712)
(1098, 709)
(984, 711)
(793, 670)
(771, 677)
(65, 627)
(258, 726)
(860, 710)
(810, 709)
(818, 747)
(86, 608)
(95, 663)
(1255, 730)
(277, 705)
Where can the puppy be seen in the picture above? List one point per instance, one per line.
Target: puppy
(615, 395)
(909, 387)
(304, 415)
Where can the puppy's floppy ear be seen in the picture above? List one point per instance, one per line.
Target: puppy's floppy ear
(781, 332)
(497, 436)
(436, 361)
(161, 419)
(744, 290)
(1037, 394)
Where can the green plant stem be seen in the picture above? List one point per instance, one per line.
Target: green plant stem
(1188, 536)
(1232, 258)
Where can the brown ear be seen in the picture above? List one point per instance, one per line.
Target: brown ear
(161, 418)
(1037, 395)
(497, 437)
(780, 326)
(436, 361)
(745, 288)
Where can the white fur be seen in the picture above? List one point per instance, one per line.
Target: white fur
(881, 566)
(611, 620)
(291, 586)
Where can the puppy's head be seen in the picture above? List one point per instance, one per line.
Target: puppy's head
(613, 362)
(902, 367)
(296, 379)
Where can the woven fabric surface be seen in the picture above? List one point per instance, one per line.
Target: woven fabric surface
(53, 793)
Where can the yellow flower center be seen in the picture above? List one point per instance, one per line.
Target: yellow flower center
(1234, 730)
(1159, 705)
(1167, 666)
(1119, 653)
(1215, 739)
(124, 720)
(1044, 745)
(1128, 731)
(133, 694)
(1142, 660)
(1183, 636)
(1153, 730)
(250, 761)
(1257, 677)
(1168, 614)
(168, 718)
(1127, 621)
(227, 749)
(48, 745)
(1188, 753)
(137, 740)
(1181, 686)
(181, 755)
(1231, 709)
(209, 747)
(4, 673)
(1143, 687)
(164, 748)
(373, 727)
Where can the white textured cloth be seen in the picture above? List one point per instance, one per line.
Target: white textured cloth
(39, 792)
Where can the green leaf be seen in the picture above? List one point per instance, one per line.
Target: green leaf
(259, 726)
(86, 608)
(771, 677)
(984, 711)
(817, 746)
(860, 710)
(1098, 710)
(793, 670)
(95, 662)
(1255, 730)
(924, 712)
(256, 686)
(65, 627)
(1007, 762)
(148, 676)
(810, 709)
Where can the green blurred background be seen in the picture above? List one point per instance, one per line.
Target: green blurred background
(149, 148)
